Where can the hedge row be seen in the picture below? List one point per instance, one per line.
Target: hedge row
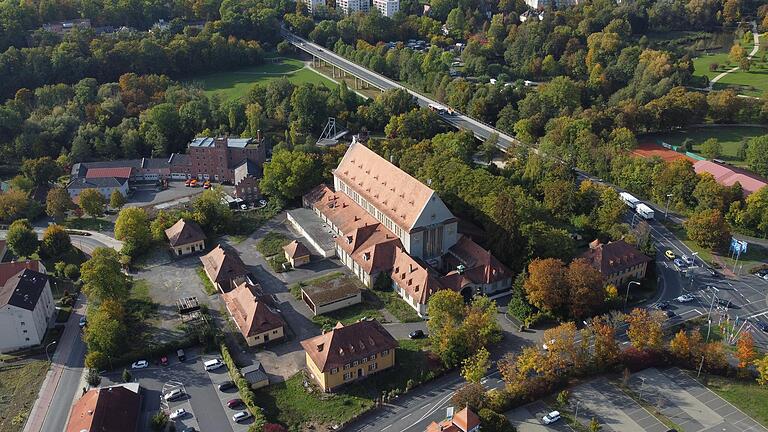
(246, 394)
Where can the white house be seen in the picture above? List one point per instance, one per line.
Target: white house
(388, 8)
(26, 304)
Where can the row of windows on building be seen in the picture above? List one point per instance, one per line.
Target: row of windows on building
(363, 360)
(373, 211)
(350, 375)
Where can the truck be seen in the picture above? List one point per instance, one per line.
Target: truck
(629, 200)
(644, 211)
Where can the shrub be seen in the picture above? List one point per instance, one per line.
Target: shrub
(72, 272)
(713, 66)
(246, 393)
(93, 379)
(159, 421)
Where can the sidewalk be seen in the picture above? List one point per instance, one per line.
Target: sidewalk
(51, 383)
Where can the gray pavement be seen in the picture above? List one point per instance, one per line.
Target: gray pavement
(689, 404)
(527, 418)
(148, 195)
(613, 409)
(219, 376)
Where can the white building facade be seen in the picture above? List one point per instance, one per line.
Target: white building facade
(387, 8)
(26, 308)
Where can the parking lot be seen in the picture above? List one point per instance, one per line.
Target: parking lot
(613, 408)
(219, 376)
(202, 401)
(689, 404)
(528, 418)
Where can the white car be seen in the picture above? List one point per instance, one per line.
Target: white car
(141, 364)
(213, 364)
(173, 394)
(551, 417)
(179, 413)
(686, 259)
(240, 416)
(685, 298)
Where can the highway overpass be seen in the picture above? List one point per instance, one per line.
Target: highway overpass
(460, 121)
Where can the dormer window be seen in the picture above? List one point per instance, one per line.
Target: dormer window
(367, 256)
(349, 239)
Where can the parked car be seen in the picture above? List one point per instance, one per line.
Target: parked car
(163, 361)
(670, 314)
(416, 334)
(234, 403)
(762, 326)
(551, 417)
(226, 385)
(212, 364)
(724, 303)
(680, 263)
(141, 364)
(173, 394)
(83, 322)
(240, 416)
(179, 413)
(685, 298)
(180, 354)
(188, 183)
(663, 305)
(669, 254)
(686, 259)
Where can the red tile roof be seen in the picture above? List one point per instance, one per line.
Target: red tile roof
(108, 409)
(184, 232)
(121, 172)
(413, 277)
(224, 266)
(296, 249)
(463, 421)
(613, 257)
(481, 266)
(251, 314)
(10, 269)
(345, 344)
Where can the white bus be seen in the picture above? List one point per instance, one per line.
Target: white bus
(644, 211)
(438, 108)
(629, 200)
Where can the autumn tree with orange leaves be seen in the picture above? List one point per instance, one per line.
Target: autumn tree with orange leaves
(645, 331)
(606, 348)
(585, 288)
(745, 349)
(545, 284)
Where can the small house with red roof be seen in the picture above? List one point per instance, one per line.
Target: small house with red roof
(463, 421)
(296, 254)
(253, 316)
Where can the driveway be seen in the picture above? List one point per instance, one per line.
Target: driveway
(528, 418)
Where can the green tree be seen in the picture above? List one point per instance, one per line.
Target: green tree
(711, 148)
(610, 211)
(645, 328)
(594, 425)
(757, 154)
(92, 378)
(21, 238)
(159, 421)
(474, 367)
(127, 377)
(210, 211)
(117, 200)
(102, 276)
(92, 202)
(106, 331)
(737, 53)
(16, 204)
(761, 365)
(290, 174)
(41, 171)
(58, 203)
(708, 229)
(56, 241)
(132, 227)
(494, 422)
(72, 272)
(162, 221)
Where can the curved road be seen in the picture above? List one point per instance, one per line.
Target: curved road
(62, 383)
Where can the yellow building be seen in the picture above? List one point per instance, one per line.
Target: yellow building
(617, 261)
(185, 237)
(349, 353)
(257, 322)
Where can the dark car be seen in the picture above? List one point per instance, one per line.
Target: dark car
(724, 303)
(713, 272)
(416, 334)
(664, 305)
(234, 403)
(670, 314)
(762, 326)
(180, 354)
(226, 385)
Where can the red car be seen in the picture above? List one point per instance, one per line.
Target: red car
(164, 361)
(234, 403)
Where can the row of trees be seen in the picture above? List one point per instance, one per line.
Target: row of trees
(22, 240)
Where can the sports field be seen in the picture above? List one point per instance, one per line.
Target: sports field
(730, 137)
(235, 84)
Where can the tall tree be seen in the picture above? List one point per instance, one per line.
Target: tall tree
(585, 286)
(56, 241)
(546, 285)
(606, 347)
(21, 238)
(92, 202)
(473, 368)
(290, 174)
(117, 200)
(708, 229)
(132, 227)
(58, 203)
(645, 328)
(41, 171)
(103, 277)
(745, 349)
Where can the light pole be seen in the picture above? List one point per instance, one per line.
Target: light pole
(666, 212)
(46, 350)
(626, 298)
(693, 255)
(576, 414)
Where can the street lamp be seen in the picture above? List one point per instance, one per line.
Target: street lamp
(666, 212)
(46, 351)
(626, 298)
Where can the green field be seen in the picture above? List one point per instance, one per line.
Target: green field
(19, 385)
(747, 396)
(730, 137)
(752, 83)
(235, 84)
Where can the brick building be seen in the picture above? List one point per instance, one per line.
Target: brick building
(217, 158)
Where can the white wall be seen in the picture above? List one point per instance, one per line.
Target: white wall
(14, 335)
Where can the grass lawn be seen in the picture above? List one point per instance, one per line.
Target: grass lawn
(18, 390)
(370, 307)
(395, 305)
(293, 405)
(756, 255)
(89, 223)
(244, 223)
(272, 244)
(729, 137)
(752, 83)
(235, 84)
(747, 396)
(207, 285)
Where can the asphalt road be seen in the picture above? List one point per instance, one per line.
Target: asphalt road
(460, 121)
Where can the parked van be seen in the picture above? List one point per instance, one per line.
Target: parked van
(180, 354)
(173, 394)
(212, 364)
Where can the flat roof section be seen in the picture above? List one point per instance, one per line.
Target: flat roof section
(318, 234)
(332, 291)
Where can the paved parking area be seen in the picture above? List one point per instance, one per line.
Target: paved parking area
(202, 400)
(613, 408)
(528, 418)
(185, 403)
(689, 404)
(147, 195)
(218, 376)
